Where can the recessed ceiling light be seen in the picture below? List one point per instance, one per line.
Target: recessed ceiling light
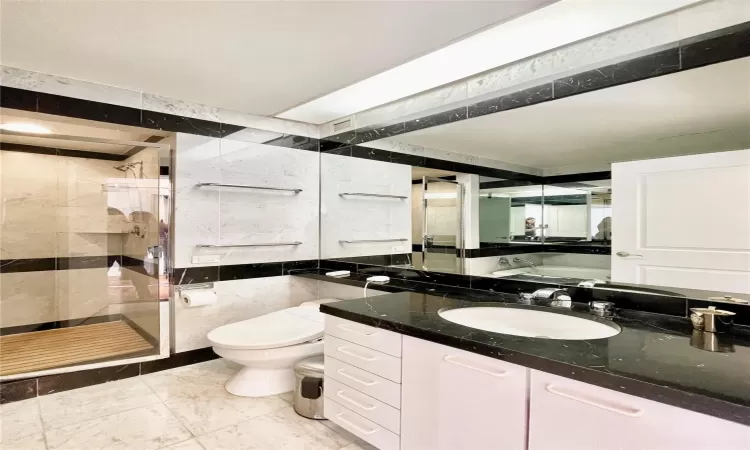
(25, 127)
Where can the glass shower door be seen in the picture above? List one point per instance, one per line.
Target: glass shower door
(79, 237)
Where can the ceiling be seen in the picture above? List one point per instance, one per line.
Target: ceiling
(696, 111)
(71, 128)
(255, 57)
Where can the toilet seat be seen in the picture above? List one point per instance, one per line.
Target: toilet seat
(283, 328)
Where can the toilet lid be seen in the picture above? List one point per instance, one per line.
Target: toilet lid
(278, 329)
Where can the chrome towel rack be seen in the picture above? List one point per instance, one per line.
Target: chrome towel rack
(371, 240)
(267, 244)
(246, 186)
(363, 194)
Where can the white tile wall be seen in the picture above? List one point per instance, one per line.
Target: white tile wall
(230, 216)
(237, 300)
(361, 218)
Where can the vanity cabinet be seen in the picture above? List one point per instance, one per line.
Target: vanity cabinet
(453, 399)
(571, 415)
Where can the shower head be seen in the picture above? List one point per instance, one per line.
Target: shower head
(128, 166)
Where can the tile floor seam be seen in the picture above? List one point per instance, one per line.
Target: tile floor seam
(96, 418)
(45, 428)
(41, 421)
(182, 442)
(243, 421)
(177, 418)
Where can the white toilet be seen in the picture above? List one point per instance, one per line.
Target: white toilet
(268, 346)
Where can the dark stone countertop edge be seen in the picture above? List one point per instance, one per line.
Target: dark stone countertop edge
(703, 404)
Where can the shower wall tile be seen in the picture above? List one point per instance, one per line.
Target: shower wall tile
(237, 300)
(363, 218)
(81, 293)
(27, 297)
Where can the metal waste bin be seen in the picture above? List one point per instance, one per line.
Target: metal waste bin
(308, 390)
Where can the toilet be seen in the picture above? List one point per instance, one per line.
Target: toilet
(268, 346)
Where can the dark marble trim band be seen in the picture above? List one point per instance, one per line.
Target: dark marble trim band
(709, 48)
(211, 274)
(513, 249)
(59, 324)
(16, 390)
(70, 263)
(26, 100)
(23, 148)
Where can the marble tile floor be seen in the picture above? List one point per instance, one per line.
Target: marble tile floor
(185, 408)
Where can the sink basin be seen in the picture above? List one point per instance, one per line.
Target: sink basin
(530, 323)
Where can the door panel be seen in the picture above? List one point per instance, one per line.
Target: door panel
(683, 222)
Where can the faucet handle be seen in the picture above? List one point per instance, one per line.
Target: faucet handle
(602, 308)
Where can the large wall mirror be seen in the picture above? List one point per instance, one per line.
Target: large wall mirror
(643, 185)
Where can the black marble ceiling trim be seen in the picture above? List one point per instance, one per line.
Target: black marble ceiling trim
(710, 48)
(42, 102)
(24, 148)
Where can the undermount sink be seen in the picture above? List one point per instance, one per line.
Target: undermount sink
(529, 323)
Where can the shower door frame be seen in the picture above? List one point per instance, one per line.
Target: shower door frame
(169, 244)
(460, 234)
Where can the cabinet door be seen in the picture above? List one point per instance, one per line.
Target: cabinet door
(570, 415)
(452, 399)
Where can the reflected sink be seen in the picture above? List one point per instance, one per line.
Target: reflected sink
(530, 323)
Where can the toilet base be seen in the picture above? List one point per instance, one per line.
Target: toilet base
(254, 382)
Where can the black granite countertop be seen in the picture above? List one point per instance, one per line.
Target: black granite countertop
(650, 358)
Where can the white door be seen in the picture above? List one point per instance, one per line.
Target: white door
(456, 400)
(683, 222)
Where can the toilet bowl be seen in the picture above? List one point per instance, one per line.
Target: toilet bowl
(268, 346)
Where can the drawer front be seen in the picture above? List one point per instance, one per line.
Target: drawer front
(377, 387)
(375, 338)
(361, 427)
(386, 366)
(363, 404)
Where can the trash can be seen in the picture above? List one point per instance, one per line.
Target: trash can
(308, 390)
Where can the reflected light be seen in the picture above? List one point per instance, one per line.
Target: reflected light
(25, 127)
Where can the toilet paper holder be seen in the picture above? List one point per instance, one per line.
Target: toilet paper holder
(190, 287)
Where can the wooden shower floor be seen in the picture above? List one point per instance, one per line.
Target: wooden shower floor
(41, 350)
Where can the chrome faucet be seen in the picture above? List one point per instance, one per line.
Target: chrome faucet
(503, 261)
(552, 297)
(521, 260)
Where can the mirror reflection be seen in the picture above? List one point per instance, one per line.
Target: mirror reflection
(580, 190)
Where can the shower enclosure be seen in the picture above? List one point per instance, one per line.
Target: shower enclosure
(443, 229)
(79, 244)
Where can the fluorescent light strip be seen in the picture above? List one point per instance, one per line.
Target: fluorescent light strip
(554, 26)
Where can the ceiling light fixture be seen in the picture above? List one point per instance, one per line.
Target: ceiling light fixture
(554, 26)
(25, 127)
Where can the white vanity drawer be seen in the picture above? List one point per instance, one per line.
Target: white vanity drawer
(363, 404)
(375, 338)
(363, 428)
(377, 387)
(386, 366)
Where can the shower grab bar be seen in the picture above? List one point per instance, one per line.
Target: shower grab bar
(372, 240)
(268, 244)
(363, 194)
(246, 186)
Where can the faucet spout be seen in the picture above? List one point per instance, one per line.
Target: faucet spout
(525, 261)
